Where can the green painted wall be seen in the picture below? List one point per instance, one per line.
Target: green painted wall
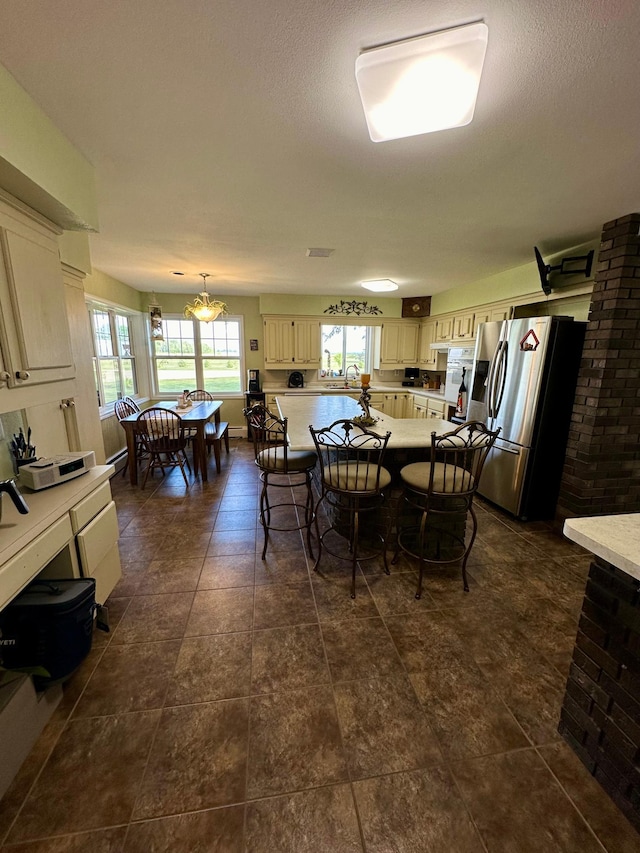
(514, 283)
(275, 303)
(39, 165)
(75, 251)
(103, 286)
(246, 306)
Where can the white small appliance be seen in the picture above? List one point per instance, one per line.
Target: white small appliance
(53, 470)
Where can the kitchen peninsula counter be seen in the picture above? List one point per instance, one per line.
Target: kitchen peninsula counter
(320, 411)
(325, 390)
(600, 716)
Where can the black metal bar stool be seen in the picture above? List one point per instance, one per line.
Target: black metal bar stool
(437, 499)
(353, 481)
(280, 468)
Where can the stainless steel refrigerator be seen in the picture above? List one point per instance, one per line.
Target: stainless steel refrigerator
(523, 380)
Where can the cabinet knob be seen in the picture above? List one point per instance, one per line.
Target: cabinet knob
(4, 377)
(22, 374)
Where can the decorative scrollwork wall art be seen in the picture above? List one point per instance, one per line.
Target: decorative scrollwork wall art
(353, 307)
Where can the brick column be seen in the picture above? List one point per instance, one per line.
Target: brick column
(601, 473)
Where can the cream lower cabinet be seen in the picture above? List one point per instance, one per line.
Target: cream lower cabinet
(95, 523)
(435, 409)
(419, 408)
(34, 332)
(395, 405)
(70, 530)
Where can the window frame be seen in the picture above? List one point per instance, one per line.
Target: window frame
(114, 311)
(199, 357)
(369, 346)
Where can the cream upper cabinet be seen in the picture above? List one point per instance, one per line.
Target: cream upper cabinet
(481, 316)
(500, 312)
(306, 335)
(396, 344)
(463, 326)
(278, 342)
(444, 330)
(428, 357)
(34, 332)
(291, 341)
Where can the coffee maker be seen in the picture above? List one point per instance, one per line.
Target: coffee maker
(253, 381)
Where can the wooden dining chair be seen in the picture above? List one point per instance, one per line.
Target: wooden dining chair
(162, 434)
(123, 408)
(214, 434)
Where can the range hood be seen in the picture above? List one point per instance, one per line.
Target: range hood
(445, 346)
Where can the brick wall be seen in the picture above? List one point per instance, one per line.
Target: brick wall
(600, 716)
(602, 467)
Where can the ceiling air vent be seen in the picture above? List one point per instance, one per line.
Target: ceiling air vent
(319, 253)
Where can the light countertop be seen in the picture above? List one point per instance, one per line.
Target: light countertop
(614, 538)
(323, 410)
(45, 507)
(377, 389)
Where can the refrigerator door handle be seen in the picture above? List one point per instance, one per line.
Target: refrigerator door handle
(490, 380)
(506, 449)
(501, 376)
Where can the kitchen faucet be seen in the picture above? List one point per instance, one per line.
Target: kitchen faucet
(346, 373)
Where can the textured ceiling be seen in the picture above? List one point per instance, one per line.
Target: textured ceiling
(229, 137)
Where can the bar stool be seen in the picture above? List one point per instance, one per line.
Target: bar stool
(437, 497)
(280, 468)
(353, 481)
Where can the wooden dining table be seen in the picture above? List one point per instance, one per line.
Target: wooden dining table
(194, 419)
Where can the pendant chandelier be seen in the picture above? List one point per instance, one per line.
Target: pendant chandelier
(203, 308)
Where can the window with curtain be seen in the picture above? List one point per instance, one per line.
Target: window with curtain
(199, 355)
(114, 362)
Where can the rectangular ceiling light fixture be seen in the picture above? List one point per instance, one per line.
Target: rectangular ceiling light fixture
(422, 84)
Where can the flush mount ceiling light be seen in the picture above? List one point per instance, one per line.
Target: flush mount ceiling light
(422, 84)
(203, 308)
(379, 285)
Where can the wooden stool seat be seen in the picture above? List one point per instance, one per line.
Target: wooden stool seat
(214, 434)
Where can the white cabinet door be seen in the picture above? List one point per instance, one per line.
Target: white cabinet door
(34, 332)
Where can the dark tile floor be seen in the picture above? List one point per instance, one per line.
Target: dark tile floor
(240, 705)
